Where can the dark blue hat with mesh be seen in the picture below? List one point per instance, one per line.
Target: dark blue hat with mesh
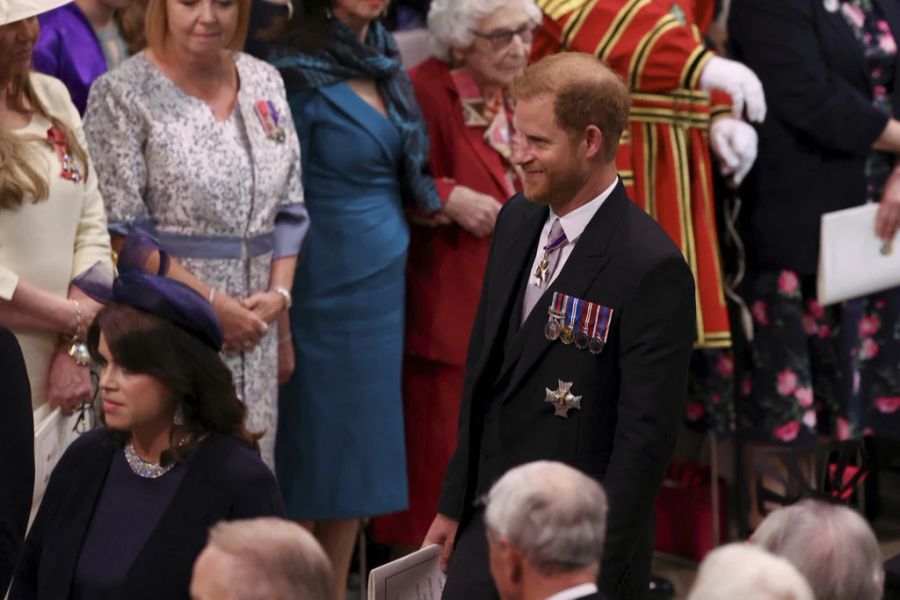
(171, 301)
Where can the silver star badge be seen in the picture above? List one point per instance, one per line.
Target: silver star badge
(562, 399)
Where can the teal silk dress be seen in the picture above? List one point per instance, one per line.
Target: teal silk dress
(339, 449)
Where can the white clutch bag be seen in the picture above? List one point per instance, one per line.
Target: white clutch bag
(52, 435)
(853, 261)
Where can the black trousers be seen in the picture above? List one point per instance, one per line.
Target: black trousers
(469, 574)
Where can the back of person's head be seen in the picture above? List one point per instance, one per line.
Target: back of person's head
(274, 560)
(553, 514)
(585, 92)
(309, 26)
(831, 545)
(746, 572)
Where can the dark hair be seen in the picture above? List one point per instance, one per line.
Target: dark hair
(194, 373)
(308, 27)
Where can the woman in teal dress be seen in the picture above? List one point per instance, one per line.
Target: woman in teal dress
(339, 449)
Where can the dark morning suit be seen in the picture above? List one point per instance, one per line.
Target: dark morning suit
(16, 454)
(633, 393)
(223, 481)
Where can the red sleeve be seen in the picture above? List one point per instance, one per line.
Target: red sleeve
(429, 82)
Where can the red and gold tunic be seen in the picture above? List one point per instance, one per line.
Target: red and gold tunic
(664, 159)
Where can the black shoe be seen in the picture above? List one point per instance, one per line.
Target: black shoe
(661, 589)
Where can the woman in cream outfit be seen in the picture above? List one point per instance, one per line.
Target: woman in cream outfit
(52, 220)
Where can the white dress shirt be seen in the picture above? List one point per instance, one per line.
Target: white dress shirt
(579, 591)
(573, 225)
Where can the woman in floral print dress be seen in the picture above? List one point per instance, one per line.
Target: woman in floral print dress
(830, 71)
(195, 146)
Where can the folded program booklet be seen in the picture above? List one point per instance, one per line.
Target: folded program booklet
(853, 261)
(416, 576)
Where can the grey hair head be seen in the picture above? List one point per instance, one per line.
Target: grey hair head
(277, 559)
(747, 572)
(831, 545)
(451, 22)
(554, 514)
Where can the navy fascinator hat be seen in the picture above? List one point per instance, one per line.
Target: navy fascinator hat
(171, 301)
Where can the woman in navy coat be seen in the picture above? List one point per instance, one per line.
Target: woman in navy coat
(831, 73)
(16, 454)
(128, 507)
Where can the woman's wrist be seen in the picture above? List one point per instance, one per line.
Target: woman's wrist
(78, 326)
(284, 293)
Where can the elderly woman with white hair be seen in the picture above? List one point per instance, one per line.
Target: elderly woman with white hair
(745, 572)
(831, 545)
(479, 47)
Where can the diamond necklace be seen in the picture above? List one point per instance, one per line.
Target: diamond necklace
(142, 468)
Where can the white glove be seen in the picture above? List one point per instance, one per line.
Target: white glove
(740, 83)
(735, 144)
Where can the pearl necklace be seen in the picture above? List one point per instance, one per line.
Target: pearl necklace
(142, 468)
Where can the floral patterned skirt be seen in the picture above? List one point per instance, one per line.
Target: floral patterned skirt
(711, 391)
(816, 371)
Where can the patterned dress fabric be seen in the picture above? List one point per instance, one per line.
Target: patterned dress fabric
(830, 370)
(169, 168)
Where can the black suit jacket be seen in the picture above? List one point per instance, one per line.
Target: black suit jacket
(224, 481)
(633, 393)
(820, 126)
(16, 454)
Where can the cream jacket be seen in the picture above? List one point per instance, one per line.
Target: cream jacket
(51, 242)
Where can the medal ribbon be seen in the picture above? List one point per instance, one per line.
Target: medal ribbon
(57, 139)
(585, 324)
(559, 300)
(601, 315)
(575, 313)
(274, 112)
(601, 329)
(265, 116)
(556, 244)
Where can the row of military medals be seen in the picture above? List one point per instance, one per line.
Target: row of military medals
(579, 322)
